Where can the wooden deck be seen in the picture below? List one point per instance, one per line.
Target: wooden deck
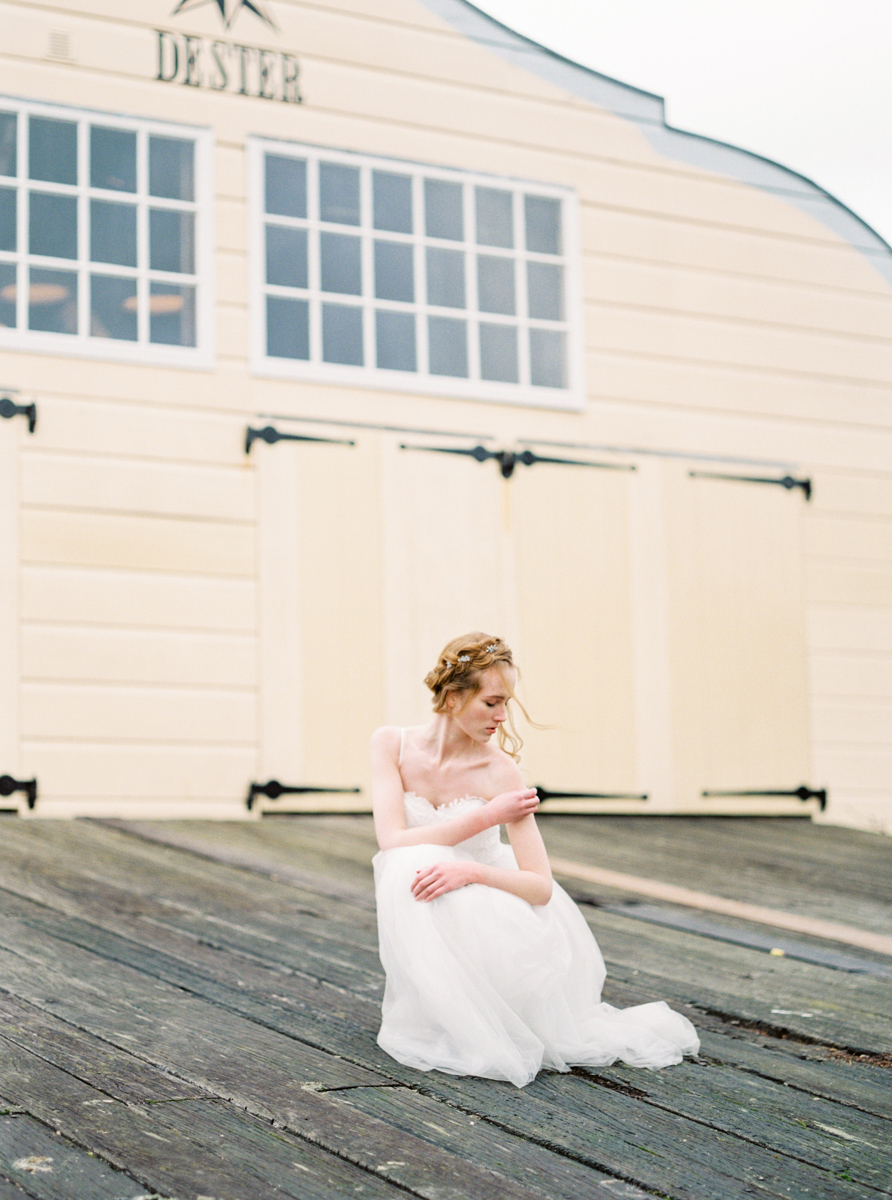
(189, 1011)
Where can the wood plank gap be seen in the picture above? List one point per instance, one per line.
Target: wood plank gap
(793, 1087)
(646, 1098)
(851, 1053)
(537, 1139)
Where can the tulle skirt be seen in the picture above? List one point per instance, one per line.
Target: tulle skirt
(479, 982)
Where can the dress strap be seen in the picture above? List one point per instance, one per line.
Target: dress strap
(399, 761)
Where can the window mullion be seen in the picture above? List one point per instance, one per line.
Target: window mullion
(314, 269)
(523, 309)
(143, 298)
(471, 306)
(369, 344)
(420, 273)
(83, 230)
(22, 280)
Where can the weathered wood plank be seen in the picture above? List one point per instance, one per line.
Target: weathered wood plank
(156, 1018)
(323, 1018)
(241, 1063)
(619, 1134)
(332, 943)
(846, 1142)
(115, 856)
(660, 953)
(724, 1116)
(836, 874)
(326, 852)
(120, 1076)
(178, 878)
(860, 1085)
(812, 1001)
(524, 1162)
(194, 1147)
(141, 912)
(51, 1168)
(11, 1191)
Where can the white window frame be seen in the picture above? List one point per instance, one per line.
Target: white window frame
(82, 344)
(418, 382)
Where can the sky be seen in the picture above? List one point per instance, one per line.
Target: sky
(807, 83)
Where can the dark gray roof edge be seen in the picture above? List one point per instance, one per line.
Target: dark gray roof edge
(647, 111)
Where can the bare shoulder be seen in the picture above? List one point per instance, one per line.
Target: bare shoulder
(387, 739)
(505, 772)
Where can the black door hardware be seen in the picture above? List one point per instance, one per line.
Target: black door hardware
(8, 785)
(545, 794)
(271, 435)
(801, 793)
(9, 408)
(274, 790)
(508, 459)
(787, 481)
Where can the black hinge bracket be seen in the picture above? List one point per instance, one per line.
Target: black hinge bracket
(9, 409)
(8, 785)
(787, 481)
(545, 794)
(801, 793)
(509, 459)
(273, 790)
(271, 435)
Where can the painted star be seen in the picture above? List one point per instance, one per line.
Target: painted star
(230, 9)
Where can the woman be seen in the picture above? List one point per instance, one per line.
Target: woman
(491, 969)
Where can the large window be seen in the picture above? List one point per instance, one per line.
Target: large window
(412, 277)
(103, 245)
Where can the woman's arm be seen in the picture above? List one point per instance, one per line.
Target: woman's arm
(444, 877)
(531, 882)
(389, 811)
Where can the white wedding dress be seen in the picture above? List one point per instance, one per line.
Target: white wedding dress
(479, 982)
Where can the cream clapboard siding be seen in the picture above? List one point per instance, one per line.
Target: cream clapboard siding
(138, 626)
(720, 321)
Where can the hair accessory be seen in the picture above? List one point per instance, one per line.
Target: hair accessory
(464, 658)
(494, 646)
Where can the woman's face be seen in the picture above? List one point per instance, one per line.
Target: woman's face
(481, 715)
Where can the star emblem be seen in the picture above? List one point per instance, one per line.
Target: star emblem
(230, 9)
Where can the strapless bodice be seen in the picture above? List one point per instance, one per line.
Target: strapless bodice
(484, 847)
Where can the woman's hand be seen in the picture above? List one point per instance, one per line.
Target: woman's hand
(513, 806)
(443, 877)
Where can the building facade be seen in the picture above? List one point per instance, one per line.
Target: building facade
(332, 330)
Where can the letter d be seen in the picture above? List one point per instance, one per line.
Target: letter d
(162, 35)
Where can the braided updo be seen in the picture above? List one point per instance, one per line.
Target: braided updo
(459, 668)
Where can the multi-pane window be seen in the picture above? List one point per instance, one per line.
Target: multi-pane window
(100, 233)
(414, 277)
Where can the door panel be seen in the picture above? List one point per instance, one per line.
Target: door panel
(737, 637)
(321, 645)
(570, 529)
(448, 557)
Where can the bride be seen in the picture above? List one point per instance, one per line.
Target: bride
(491, 969)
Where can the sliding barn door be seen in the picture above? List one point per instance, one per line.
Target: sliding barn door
(737, 639)
(571, 547)
(322, 652)
(448, 564)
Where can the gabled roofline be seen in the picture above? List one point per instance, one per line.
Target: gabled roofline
(647, 112)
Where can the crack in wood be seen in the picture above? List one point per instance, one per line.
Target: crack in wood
(767, 1029)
